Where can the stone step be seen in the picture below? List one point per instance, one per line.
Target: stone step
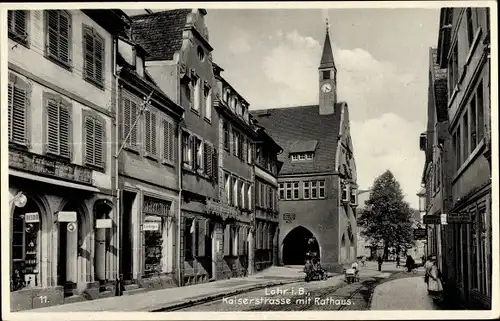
(134, 291)
(129, 287)
(74, 299)
(106, 294)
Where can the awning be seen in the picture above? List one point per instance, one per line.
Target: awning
(52, 181)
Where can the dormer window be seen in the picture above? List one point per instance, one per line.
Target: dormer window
(354, 196)
(139, 65)
(201, 53)
(302, 156)
(345, 192)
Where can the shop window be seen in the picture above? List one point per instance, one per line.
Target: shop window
(281, 190)
(188, 239)
(24, 254)
(153, 244)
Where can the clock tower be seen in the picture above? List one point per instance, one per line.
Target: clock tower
(327, 78)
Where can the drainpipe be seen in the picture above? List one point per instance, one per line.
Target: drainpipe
(178, 214)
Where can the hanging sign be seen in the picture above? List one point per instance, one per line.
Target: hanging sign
(419, 233)
(71, 227)
(103, 223)
(432, 219)
(460, 219)
(31, 218)
(66, 216)
(444, 219)
(151, 226)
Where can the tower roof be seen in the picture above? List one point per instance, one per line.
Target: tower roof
(327, 56)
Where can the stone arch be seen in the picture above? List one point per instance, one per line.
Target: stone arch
(297, 243)
(35, 233)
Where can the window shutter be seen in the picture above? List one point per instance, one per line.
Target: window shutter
(194, 152)
(89, 53)
(52, 127)
(241, 240)
(99, 59)
(147, 129)
(194, 238)
(207, 158)
(171, 139)
(153, 133)
(63, 38)
(52, 32)
(215, 166)
(10, 102)
(133, 131)
(227, 240)
(201, 237)
(125, 118)
(99, 143)
(19, 111)
(89, 140)
(64, 134)
(11, 19)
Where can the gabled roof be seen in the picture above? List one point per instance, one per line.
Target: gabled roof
(289, 125)
(440, 86)
(160, 33)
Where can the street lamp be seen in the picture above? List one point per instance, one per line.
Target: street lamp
(19, 200)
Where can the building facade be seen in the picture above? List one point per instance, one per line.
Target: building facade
(267, 167)
(61, 120)
(464, 49)
(236, 177)
(180, 63)
(148, 171)
(317, 182)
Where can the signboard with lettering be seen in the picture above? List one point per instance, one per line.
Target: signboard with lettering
(288, 217)
(222, 208)
(103, 223)
(66, 216)
(151, 226)
(432, 219)
(459, 219)
(420, 233)
(46, 166)
(31, 218)
(156, 206)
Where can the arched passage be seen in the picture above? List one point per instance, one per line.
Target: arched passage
(296, 244)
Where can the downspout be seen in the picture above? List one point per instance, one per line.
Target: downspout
(179, 222)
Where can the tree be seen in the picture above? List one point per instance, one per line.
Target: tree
(387, 218)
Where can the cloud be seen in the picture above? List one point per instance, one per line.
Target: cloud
(383, 102)
(239, 43)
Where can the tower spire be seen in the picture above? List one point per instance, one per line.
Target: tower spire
(327, 56)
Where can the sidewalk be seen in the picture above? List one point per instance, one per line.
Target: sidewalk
(160, 299)
(402, 294)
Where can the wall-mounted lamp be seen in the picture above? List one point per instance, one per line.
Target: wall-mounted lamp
(19, 200)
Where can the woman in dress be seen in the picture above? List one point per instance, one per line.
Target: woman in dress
(434, 285)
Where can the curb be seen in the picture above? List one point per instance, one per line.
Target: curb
(213, 297)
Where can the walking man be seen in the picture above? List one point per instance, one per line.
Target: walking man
(397, 261)
(379, 261)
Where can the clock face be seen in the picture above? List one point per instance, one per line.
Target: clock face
(326, 88)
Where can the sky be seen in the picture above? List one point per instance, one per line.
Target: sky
(271, 58)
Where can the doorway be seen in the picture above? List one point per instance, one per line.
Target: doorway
(297, 244)
(126, 257)
(102, 243)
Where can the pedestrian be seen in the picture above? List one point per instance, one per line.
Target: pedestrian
(410, 263)
(434, 284)
(397, 261)
(380, 261)
(427, 266)
(363, 260)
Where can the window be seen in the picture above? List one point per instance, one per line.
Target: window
(249, 152)
(288, 191)
(458, 155)
(58, 33)
(208, 103)
(153, 245)
(58, 128)
(225, 96)
(465, 143)
(263, 195)
(473, 130)
(455, 150)
(295, 157)
(241, 146)
(326, 74)
(208, 159)
(94, 141)
(242, 194)
(227, 179)
(186, 148)
(345, 192)
(249, 196)
(168, 141)
(93, 47)
(257, 193)
(18, 25)
(24, 250)
(295, 190)
(226, 134)
(198, 147)
(307, 190)
(281, 190)
(321, 189)
(314, 191)
(129, 114)
(235, 192)
(150, 132)
(18, 112)
(354, 196)
(196, 101)
(470, 26)
(201, 53)
(453, 70)
(189, 234)
(480, 111)
(302, 156)
(236, 141)
(309, 156)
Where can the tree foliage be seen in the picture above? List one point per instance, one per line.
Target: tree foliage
(387, 218)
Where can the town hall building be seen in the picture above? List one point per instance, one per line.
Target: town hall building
(317, 183)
